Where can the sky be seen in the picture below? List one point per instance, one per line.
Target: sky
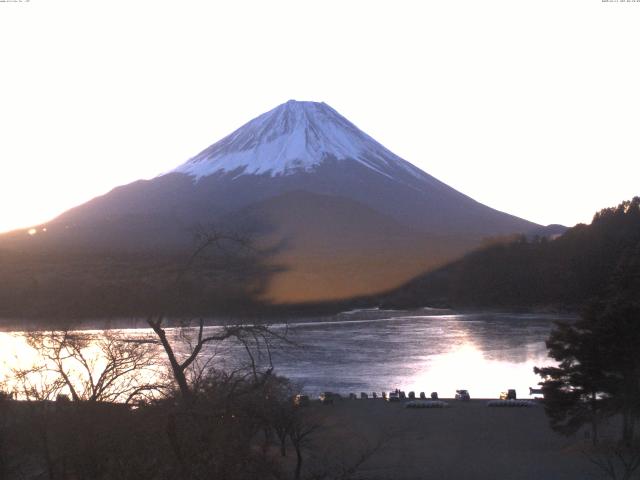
(530, 107)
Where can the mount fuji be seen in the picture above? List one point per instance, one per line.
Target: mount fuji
(349, 217)
(295, 137)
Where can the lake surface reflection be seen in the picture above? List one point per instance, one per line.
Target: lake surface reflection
(483, 353)
(379, 351)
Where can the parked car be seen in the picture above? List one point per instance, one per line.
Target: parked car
(301, 400)
(508, 395)
(393, 397)
(462, 395)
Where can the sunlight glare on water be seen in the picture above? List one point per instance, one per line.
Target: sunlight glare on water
(483, 353)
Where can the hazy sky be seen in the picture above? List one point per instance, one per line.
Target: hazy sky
(531, 107)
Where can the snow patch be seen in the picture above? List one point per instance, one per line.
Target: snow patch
(293, 137)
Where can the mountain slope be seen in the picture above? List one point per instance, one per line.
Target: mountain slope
(357, 218)
(329, 258)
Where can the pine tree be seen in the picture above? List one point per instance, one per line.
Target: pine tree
(574, 391)
(599, 356)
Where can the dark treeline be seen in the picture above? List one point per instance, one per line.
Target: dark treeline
(229, 276)
(596, 381)
(235, 428)
(539, 272)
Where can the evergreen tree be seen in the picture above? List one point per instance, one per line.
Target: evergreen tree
(617, 323)
(598, 370)
(574, 391)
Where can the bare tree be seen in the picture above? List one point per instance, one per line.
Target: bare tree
(301, 429)
(332, 467)
(617, 461)
(230, 252)
(253, 338)
(218, 411)
(33, 384)
(38, 388)
(107, 368)
(5, 431)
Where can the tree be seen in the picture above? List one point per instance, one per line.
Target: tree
(5, 433)
(599, 370)
(217, 414)
(615, 460)
(109, 367)
(277, 410)
(574, 391)
(102, 374)
(301, 428)
(250, 336)
(599, 360)
(231, 252)
(618, 331)
(616, 322)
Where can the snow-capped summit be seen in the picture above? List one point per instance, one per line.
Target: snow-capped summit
(293, 137)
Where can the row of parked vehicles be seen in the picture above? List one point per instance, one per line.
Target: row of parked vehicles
(395, 396)
(400, 395)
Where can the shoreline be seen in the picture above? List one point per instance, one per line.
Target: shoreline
(354, 315)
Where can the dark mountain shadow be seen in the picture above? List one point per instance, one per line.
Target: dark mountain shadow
(62, 287)
(338, 248)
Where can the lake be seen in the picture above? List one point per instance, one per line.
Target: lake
(373, 350)
(483, 353)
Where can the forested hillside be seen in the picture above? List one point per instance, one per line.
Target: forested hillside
(561, 273)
